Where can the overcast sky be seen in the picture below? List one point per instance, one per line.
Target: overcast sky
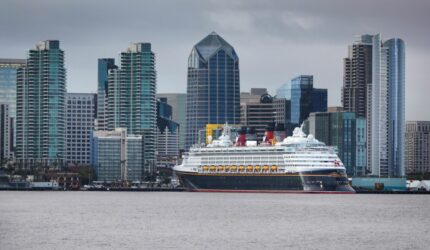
(275, 40)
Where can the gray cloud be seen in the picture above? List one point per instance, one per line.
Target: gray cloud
(275, 40)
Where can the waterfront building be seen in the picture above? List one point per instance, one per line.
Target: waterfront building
(178, 102)
(386, 109)
(344, 130)
(5, 133)
(80, 116)
(417, 147)
(213, 87)
(305, 99)
(131, 98)
(167, 135)
(117, 156)
(41, 94)
(8, 70)
(357, 75)
(104, 65)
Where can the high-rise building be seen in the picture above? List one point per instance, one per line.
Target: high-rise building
(5, 133)
(167, 135)
(213, 87)
(386, 108)
(305, 99)
(104, 65)
(8, 70)
(417, 147)
(344, 130)
(117, 156)
(41, 94)
(178, 102)
(258, 114)
(80, 116)
(357, 76)
(131, 98)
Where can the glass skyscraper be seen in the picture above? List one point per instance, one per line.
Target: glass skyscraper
(41, 94)
(8, 70)
(104, 65)
(178, 102)
(305, 99)
(131, 98)
(386, 108)
(213, 87)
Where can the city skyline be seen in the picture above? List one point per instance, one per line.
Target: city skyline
(307, 40)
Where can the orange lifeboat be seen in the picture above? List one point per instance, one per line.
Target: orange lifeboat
(205, 168)
(249, 169)
(265, 168)
(274, 168)
(212, 168)
(233, 168)
(227, 168)
(241, 168)
(220, 168)
(257, 169)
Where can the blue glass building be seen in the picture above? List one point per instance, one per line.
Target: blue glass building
(213, 87)
(305, 99)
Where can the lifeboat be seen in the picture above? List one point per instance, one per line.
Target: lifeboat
(257, 169)
(220, 168)
(233, 168)
(227, 168)
(241, 168)
(205, 168)
(274, 168)
(265, 168)
(212, 168)
(249, 169)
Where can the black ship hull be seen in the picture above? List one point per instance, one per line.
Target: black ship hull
(323, 181)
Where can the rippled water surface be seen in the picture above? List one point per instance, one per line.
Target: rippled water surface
(156, 220)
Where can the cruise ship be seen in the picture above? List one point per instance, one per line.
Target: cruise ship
(298, 163)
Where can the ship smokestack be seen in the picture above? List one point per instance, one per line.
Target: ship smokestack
(241, 140)
(268, 135)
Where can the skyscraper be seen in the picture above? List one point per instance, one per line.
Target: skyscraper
(8, 71)
(305, 99)
(357, 76)
(213, 87)
(131, 98)
(80, 116)
(8, 68)
(178, 102)
(386, 108)
(104, 65)
(41, 94)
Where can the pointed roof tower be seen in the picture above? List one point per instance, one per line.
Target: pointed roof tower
(211, 44)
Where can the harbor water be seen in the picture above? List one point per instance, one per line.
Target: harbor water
(183, 220)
